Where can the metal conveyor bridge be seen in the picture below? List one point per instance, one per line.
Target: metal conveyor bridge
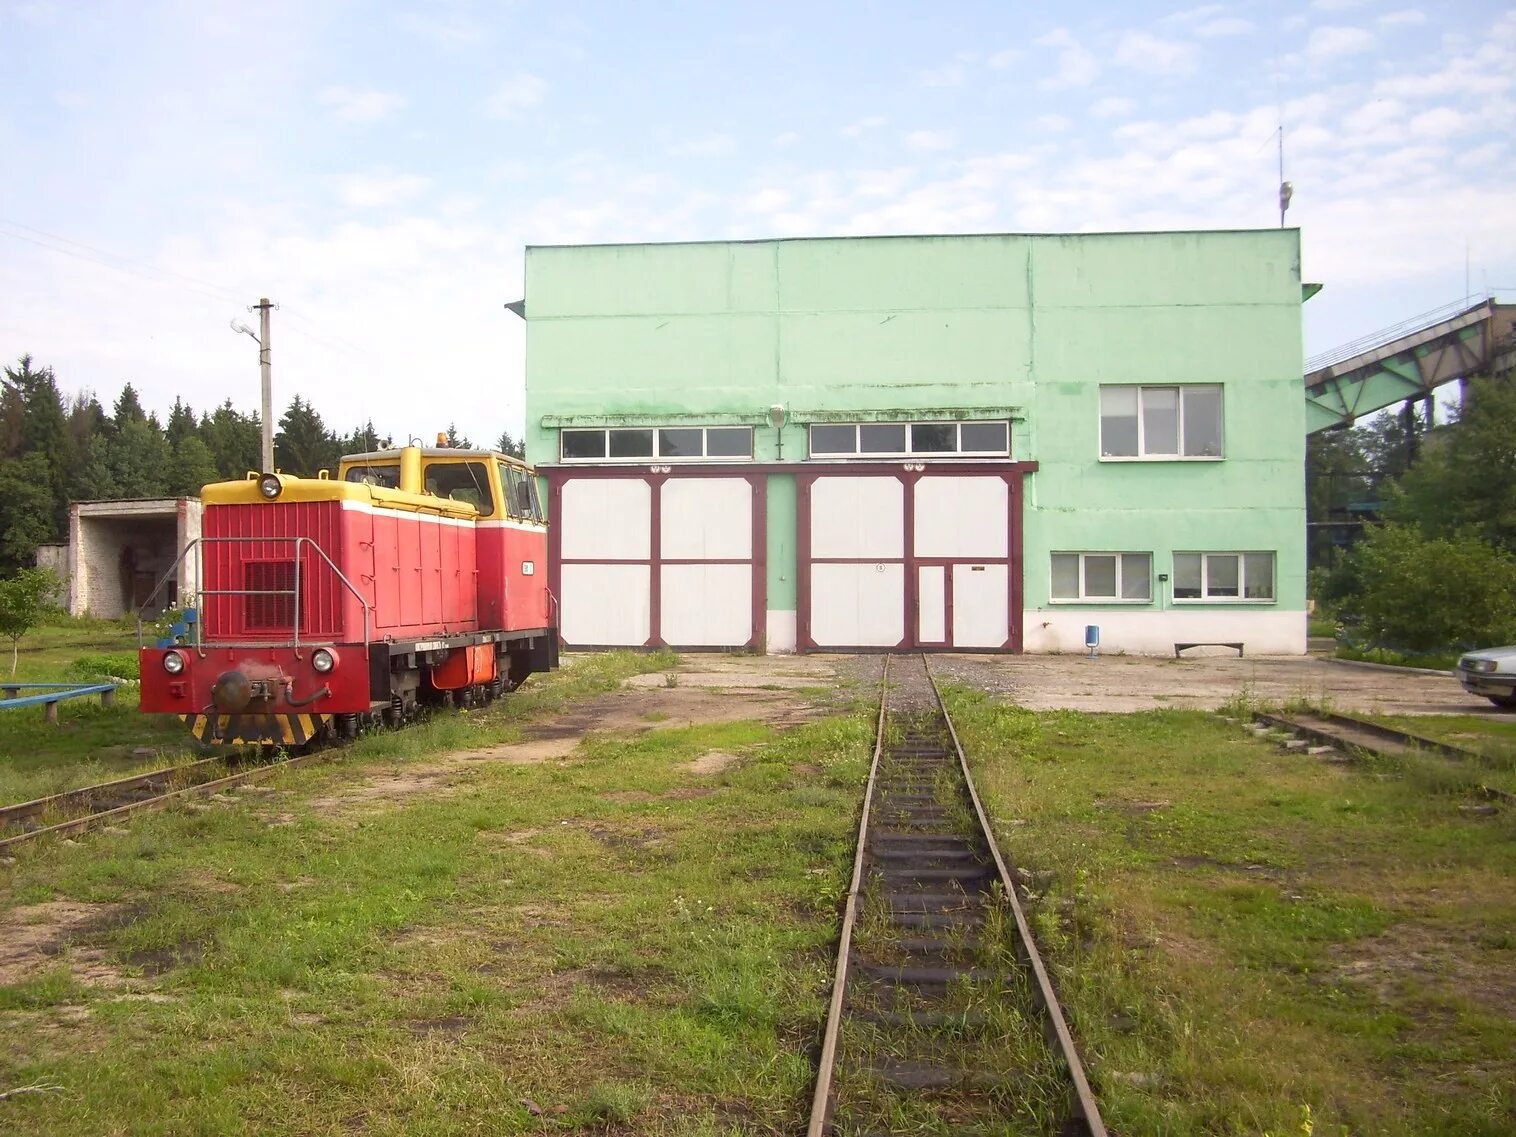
(1458, 341)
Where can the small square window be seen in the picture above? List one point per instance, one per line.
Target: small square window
(834, 439)
(729, 442)
(631, 443)
(984, 438)
(1065, 576)
(934, 437)
(680, 442)
(583, 443)
(881, 438)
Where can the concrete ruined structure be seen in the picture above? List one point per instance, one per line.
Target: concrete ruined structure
(961, 442)
(118, 551)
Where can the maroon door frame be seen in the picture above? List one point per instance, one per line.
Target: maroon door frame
(758, 482)
(1013, 474)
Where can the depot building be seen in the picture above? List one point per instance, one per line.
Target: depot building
(983, 443)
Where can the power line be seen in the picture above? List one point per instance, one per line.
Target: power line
(128, 265)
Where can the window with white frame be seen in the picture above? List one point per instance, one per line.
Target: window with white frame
(1226, 577)
(1103, 578)
(668, 443)
(910, 439)
(1161, 422)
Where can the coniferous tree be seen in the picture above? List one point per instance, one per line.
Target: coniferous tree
(508, 445)
(128, 407)
(190, 467)
(138, 459)
(364, 440)
(43, 431)
(181, 423)
(26, 510)
(235, 440)
(457, 441)
(303, 444)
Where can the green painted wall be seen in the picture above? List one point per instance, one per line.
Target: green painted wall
(1021, 325)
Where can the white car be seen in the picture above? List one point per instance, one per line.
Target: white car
(1490, 673)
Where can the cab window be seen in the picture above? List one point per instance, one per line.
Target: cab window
(383, 474)
(520, 493)
(462, 481)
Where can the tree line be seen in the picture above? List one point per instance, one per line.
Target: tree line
(1435, 567)
(55, 450)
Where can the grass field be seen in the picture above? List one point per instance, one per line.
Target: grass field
(1251, 941)
(613, 941)
(91, 742)
(636, 937)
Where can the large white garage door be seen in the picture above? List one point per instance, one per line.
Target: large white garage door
(909, 559)
(659, 560)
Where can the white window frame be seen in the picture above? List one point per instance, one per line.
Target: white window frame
(655, 456)
(925, 455)
(1142, 455)
(1084, 597)
(1242, 596)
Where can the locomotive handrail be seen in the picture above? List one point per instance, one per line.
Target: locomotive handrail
(199, 625)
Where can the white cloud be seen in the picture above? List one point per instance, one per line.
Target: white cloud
(1439, 122)
(1051, 123)
(1331, 42)
(1337, 5)
(1003, 59)
(952, 75)
(769, 200)
(706, 146)
(1077, 67)
(514, 95)
(449, 33)
(1113, 106)
(1153, 55)
(929, 140)
(378, 190)
(1226, 26)
(349, 105)
(857, 129)
(1405, 17)
(786, 140)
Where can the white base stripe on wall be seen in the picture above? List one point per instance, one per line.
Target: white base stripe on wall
(1263, 632)
(781, 629)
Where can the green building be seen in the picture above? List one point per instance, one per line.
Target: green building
(963, 442)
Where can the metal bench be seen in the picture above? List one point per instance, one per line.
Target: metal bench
(1209, 643)
(53, 694)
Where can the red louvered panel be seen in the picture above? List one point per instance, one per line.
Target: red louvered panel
(249, 559)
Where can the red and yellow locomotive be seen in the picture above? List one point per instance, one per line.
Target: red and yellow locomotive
(414, 576)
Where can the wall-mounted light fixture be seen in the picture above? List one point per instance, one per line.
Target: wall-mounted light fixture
(776, 415)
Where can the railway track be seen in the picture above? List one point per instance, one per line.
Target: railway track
(1347, 733)
(942, 1018)
(89, 807)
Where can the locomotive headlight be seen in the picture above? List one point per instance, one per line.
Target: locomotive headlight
(270, 486)
(173, 663)
(323, 660)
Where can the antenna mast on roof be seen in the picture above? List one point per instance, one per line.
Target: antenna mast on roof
(1286, 191)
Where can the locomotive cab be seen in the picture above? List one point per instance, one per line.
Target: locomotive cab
(411, 577)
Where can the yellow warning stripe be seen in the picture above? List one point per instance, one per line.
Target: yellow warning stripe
(288, 730)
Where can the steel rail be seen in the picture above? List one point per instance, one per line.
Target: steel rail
(1371, 737)
(91, 820)
(1086, 1108)
(1084, 1116)
(80, 798)
(1374, 730)
(821, 1100)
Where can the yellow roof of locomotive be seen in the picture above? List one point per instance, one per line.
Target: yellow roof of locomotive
(296, 489)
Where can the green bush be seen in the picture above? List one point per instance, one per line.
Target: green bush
(104, 665)
(1422, 594)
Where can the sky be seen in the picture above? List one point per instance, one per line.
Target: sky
(377, 168)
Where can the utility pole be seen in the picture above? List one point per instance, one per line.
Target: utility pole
(264, 363)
